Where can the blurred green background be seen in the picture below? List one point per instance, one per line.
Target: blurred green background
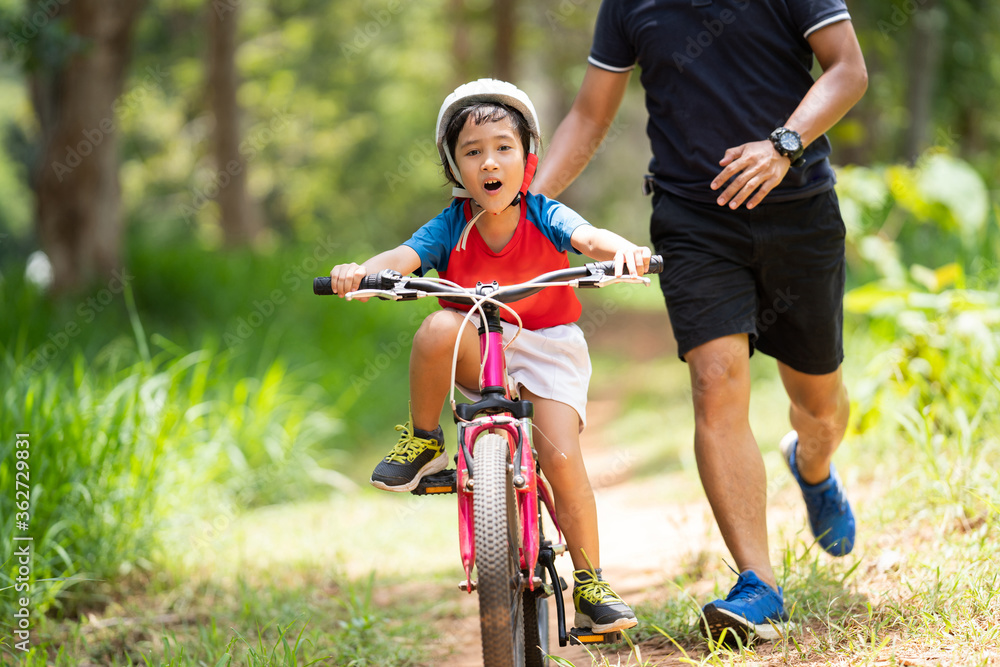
(173, 173)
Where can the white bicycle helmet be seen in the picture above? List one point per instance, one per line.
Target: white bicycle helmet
(486, 90)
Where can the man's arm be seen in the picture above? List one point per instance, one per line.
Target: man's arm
(757, 166)
(580, 134)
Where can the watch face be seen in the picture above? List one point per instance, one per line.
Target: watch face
(790, 142)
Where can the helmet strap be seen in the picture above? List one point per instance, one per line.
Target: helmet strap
(531, 164)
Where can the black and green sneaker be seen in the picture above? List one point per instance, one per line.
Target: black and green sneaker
(597, 606)
(417, 454)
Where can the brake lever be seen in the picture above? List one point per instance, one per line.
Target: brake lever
(395, 294)
(384, 295)
(601, 279)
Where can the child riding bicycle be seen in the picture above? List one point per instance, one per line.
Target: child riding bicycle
(494, 229)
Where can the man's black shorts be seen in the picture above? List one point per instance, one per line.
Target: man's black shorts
(775, 272)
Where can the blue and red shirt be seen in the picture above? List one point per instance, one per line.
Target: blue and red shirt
(540, 243)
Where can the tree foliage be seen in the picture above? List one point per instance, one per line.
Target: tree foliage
(339, 101)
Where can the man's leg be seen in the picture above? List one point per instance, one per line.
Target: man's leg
(729, 461)
(819, 413)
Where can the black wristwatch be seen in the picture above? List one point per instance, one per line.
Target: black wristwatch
(788, 143)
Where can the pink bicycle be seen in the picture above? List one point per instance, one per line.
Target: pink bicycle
(501, 491)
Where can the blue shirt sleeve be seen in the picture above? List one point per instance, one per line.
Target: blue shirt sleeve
(555, 221)
(434, 241)
(811, 15)
(612, 50)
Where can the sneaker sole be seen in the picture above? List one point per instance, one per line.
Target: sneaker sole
(437, 464)
(717, 620)
(583, 621)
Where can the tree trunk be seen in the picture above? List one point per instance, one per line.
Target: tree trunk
(78, 194)
(505, 20)
(461, 50)
(924, 65)
(239, 221)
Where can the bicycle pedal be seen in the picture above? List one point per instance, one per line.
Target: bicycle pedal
(436, 484)
(588, 636)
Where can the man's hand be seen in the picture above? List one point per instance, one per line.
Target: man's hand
(756, 169)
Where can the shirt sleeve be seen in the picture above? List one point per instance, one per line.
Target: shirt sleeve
(611, 50)
(435, 239)
(557, 222)
(811, 15)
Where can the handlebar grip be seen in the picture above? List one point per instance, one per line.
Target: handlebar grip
(383, 280)
(322, 286)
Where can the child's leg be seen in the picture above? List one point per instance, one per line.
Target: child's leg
(420, 450)
(557, 439)
(430, 365)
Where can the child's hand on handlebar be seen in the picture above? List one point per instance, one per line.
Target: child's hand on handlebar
(346, 278)
(635, 259)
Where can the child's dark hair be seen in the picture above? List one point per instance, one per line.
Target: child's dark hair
(486, 112)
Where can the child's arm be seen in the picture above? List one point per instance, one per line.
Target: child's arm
(601, 244)
(346, 278)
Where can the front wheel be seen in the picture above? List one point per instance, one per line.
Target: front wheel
(498, 565)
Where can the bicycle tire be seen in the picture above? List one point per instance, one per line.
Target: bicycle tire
(536, 629)
(499, 581)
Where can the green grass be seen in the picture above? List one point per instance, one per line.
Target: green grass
(162, 411)
(281, 621)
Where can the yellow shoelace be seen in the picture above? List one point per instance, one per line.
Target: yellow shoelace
(596, 591)
(409, 446)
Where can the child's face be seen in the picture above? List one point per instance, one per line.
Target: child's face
(490, 158)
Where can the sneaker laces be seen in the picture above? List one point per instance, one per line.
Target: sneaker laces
(409, 445)
(830, 500)
(596, 590)
(742, 584)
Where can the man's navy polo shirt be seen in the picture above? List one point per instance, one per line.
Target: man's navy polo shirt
(717, 74)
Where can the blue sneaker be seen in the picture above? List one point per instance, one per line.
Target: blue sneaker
(830, 515)
(752, 610)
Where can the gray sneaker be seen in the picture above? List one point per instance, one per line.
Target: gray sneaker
(597, 606)
(417, 454)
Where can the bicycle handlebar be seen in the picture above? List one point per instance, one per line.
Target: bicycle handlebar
(388, 280)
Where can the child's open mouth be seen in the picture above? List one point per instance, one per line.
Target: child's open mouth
(492, 186)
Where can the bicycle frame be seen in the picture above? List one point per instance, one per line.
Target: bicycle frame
(500, 412)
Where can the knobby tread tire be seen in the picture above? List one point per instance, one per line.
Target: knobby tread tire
(535, 647)
(496, 525)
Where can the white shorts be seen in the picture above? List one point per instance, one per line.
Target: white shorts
(552, 363)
